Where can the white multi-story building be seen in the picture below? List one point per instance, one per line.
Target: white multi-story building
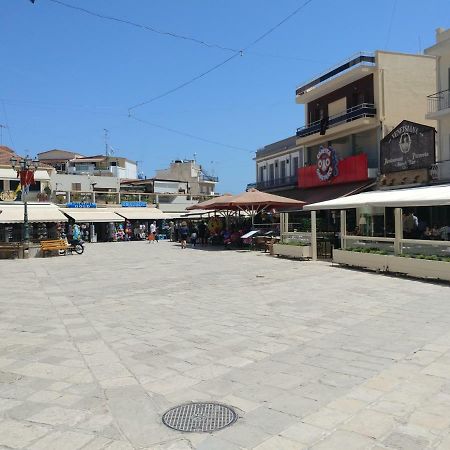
(439, 103)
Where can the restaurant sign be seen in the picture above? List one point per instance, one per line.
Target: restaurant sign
(409, 146)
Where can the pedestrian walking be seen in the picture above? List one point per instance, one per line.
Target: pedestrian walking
(184, 233)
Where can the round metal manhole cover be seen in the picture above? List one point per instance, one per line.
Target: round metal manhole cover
(199, 417)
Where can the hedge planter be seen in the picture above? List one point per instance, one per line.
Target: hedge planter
(292, 251)
(420, 268)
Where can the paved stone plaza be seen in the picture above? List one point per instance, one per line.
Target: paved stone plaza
(94, 348)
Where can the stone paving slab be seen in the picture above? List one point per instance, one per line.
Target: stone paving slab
(95, 348)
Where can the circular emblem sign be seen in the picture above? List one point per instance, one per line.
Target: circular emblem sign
(326, 164)
(8, 196)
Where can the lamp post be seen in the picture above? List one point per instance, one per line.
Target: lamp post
(25, 168)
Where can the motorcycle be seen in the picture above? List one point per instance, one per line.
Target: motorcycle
(77, 245)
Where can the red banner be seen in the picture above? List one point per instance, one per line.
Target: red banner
(26, 177)
(353, 168)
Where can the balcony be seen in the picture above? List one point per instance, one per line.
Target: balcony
(438, 104)
(440, 171)
(277, 183)
(363, 110)
(359, 60)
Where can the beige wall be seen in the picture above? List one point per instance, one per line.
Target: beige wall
(63, 182)
(442, 50)
(402, 83)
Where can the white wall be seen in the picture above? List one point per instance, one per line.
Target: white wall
(131, 170)
(290, 169)
(65, 182)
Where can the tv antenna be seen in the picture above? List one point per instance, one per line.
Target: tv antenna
(106, 136)
(1, 133)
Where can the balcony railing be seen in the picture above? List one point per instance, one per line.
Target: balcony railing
(440, 171)
(439, 101)
(205, 177)
(356, 112)
(278, 182)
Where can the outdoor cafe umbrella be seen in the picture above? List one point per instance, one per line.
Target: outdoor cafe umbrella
(254, 202)
(212, 203)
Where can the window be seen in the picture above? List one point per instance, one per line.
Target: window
(294, 165)
(283, 169)
(261, 173)
(76, 186)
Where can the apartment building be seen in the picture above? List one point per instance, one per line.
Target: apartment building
(350, 108)
(439, 104)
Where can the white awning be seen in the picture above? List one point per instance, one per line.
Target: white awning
(141, 213)
(10, 174)
(13, 213)
(91, 215)
(394, 198)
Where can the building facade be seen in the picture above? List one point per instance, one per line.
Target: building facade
(188, 171)
(439, 104)
(277, 165)
(349, 109)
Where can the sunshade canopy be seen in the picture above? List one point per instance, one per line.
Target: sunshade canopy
(253, 199)
(395, 198)
(13, 213)
(212, 203)
(141, 213)
(97, 215)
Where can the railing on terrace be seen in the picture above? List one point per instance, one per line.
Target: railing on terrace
(439, 101)
(353, 113)
(278, 182)
(440, 171)
(359, 59)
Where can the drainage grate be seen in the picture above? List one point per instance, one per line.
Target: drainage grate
(199, 417)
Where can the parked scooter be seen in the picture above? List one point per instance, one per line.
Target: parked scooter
(77, 245)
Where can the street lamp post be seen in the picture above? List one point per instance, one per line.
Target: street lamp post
(25, 169)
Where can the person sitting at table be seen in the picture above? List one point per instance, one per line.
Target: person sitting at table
(435, 232)
(427, 234)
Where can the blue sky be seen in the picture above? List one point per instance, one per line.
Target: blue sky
(65, 75)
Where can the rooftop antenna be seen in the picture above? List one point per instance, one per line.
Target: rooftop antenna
(1, 133)
(106, 141)
(195, 156)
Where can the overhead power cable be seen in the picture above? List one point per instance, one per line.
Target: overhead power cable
(144, 27)
(192, 136)
(237, 53)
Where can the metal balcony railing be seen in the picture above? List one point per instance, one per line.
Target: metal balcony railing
(440, 171)
(353, 113)
(278, 182)
(438, 101)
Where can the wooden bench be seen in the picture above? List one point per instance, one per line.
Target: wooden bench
(12, 248)
(52, 245)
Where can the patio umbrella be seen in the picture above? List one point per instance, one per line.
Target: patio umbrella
(212, 203)
(254, 202)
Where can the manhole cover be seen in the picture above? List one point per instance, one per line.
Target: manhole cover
(200, 417)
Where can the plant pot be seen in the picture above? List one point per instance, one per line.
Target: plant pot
(292, 251)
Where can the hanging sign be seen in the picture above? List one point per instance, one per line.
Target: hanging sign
(327, 164)
(409, 146)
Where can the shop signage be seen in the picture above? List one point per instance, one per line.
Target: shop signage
(8, 196)
(134, 205)
(327, 164)
(81, 205)
(329, 172)
(409, 146)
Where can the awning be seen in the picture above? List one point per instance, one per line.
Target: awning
(141, 213)
(10, 213)
(420, 196)
(325, 193)
(10, 174)
(91, 215)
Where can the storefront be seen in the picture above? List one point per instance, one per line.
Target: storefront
(45, 221)
(96, 224)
